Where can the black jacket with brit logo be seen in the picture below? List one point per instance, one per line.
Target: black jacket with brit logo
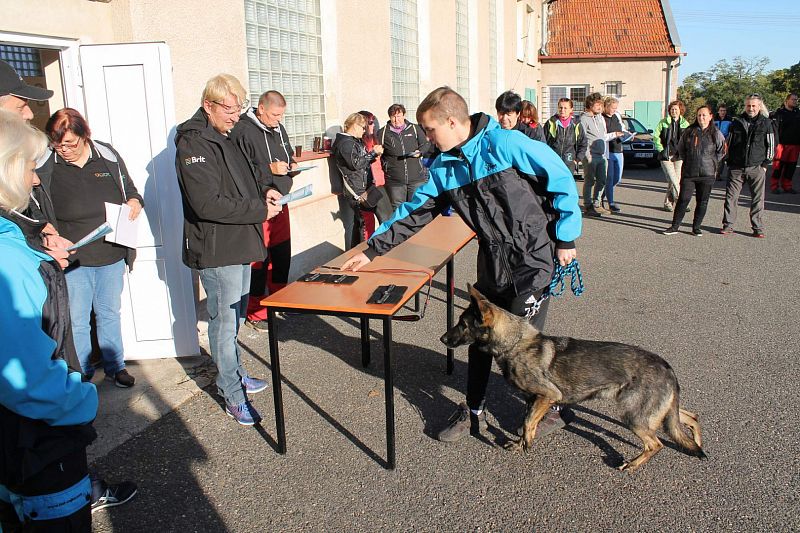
(223, 196)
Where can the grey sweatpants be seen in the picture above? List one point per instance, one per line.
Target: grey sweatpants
(595, 171)
(755, 179)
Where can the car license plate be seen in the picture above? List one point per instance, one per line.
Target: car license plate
(648, 155)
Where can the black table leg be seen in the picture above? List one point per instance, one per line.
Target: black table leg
(365, 355)
(388, 380)
(276, 381)
(416, 302)
(450, 294)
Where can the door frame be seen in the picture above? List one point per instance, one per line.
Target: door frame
(71, 79)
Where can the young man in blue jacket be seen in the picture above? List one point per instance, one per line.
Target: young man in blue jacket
(484, 169)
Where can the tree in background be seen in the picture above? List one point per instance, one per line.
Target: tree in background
(729, 82)
(786, 80)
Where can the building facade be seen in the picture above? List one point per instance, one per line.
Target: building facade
(628, 49)
(136, 68)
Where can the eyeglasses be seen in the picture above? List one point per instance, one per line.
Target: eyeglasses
(231, 109)
(63, 147)
(754, 95)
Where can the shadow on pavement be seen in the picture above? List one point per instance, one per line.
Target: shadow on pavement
(171, 462)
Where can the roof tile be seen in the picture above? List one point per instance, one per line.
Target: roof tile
(615, 27)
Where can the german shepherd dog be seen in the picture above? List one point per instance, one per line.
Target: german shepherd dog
(563, 370)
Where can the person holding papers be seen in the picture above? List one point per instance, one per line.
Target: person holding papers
(226, 200)
(263, 139)
(615, 159)
(87, 174)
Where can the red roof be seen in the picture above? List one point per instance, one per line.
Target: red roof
(613, 28)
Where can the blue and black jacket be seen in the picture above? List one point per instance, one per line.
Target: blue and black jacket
(516, 194)
(45, 409)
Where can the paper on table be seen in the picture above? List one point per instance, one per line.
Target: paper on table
(295, 195)
(125, 231)
(99, 231)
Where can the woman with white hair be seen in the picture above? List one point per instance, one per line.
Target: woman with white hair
(46, 410)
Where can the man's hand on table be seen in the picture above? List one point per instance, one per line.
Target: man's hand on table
(356, 262)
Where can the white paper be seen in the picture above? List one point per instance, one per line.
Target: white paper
(125, 231)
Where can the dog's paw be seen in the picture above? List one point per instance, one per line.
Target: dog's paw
(629, 467)
(515, 445)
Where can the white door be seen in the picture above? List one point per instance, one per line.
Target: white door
(129, 103)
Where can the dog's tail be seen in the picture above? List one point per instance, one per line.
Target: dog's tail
(676, 417)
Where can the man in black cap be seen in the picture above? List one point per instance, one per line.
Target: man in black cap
(15, 93)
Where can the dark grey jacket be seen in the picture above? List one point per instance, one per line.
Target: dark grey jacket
(398, 165)
(701, 151)
(751, 142)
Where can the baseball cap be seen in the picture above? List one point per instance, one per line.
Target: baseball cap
(12, 83)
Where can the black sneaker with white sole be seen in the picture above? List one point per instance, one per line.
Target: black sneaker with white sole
(105, 495)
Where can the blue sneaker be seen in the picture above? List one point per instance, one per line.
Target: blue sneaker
(254, 385)
(244, 413)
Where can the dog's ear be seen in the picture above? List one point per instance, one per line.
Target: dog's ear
(484, 306)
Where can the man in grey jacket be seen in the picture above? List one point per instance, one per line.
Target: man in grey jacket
(595, 164)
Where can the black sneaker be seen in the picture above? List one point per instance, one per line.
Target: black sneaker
(697, 232)
(462, 423)
(613, 208)
(592, 212)
(672, 230)
(104, 495)
(258, 325)
(122, 379)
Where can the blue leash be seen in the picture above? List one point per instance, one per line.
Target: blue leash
(557, 286)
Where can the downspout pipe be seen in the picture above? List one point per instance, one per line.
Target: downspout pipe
(667, 88)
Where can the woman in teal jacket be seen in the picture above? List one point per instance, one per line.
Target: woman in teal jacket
(665, 137)
(46, 410)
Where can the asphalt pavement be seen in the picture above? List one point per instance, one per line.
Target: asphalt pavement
(721, 309)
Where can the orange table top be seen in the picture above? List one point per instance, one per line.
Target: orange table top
(421, 256)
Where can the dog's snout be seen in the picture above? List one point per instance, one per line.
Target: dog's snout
(444, 338)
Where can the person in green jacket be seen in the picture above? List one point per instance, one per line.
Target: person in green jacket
(666, 136)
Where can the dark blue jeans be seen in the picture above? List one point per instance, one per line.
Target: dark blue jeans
(615, 164)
